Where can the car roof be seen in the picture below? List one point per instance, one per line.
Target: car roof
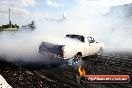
(74, 35)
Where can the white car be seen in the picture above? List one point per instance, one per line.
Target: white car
(74, 48)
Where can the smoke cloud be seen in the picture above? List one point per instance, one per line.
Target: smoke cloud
(90, 19)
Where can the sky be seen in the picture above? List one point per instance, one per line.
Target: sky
(24, 11)
(27, 10)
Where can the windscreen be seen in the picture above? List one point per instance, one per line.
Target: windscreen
(78, 37)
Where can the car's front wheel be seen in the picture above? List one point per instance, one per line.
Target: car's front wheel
(100, 52)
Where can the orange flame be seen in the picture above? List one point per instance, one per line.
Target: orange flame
(81, 71)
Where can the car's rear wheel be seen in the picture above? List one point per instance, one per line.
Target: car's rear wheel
(76, 60)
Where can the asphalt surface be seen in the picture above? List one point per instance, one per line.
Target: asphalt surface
(64, 76)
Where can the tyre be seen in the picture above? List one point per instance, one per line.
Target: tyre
(100, 52)
(77, 59)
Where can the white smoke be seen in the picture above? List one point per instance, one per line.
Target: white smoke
(94, 17)
(85, 18)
